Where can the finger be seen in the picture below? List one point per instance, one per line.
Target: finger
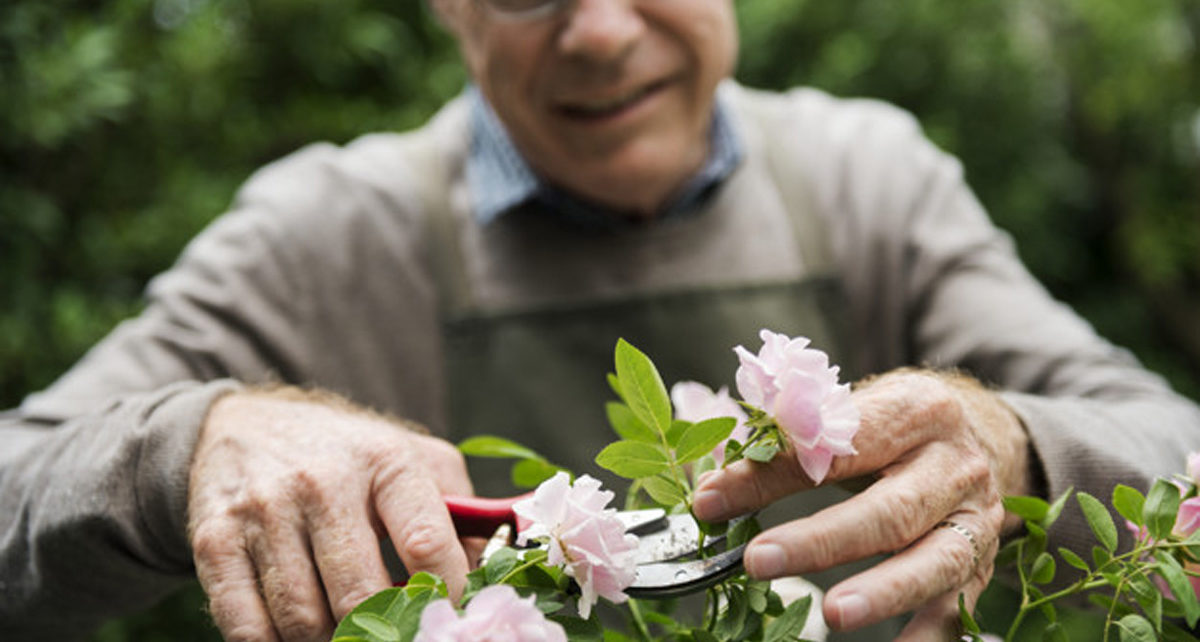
(900, 507)
(474, 548)
(941, 562)
(289, 580)
(416, 519)
(896, 421)
(939, 620)
(347, 554)
(227, 576)
(446, 465)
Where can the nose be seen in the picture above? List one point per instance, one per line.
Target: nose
(601, 30)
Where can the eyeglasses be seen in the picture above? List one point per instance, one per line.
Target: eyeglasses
(526, 10)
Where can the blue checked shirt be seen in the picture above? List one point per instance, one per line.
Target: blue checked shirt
(500, 180)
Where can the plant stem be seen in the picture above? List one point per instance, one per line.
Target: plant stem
(536, 558)
(635, 612)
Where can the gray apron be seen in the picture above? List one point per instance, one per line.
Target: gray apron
(532, 368)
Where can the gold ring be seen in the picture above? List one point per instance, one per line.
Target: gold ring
(965, 532)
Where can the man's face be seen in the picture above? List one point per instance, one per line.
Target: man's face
(611, 99)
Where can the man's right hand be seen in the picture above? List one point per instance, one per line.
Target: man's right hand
(289, 496)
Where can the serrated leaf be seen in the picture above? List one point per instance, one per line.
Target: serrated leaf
(633, 459)
(1172, 571)
(1135, 628)
(1129, 503)
(664, 490)
(642, 387)
(1162, 505)
(762, 452)
(1148, 597)
(1030, 508)
(495, 447)
(1043, 569)
(376, 627)
(787, 627)
(500, 564)
(529, 473)
(700, 438)
(1099, 520)
(627, 425)
(1074, 560)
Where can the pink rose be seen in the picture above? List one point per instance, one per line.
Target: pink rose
(495, 614)
(585, 536)
(797, 387)
(696, 402)
(1187, 520)
(1193, 467)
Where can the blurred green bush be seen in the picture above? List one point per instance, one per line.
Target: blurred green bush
(125, 126)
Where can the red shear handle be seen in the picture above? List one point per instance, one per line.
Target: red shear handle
(481, 516)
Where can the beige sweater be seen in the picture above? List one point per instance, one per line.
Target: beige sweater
(319, 275)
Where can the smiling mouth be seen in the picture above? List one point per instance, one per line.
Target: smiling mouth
(600, 109)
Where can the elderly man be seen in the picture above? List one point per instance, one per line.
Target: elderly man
(600, 179)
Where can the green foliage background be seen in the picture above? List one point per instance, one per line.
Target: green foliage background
(125, 126)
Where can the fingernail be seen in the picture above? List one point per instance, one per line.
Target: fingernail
(766, 561)
(852, 610)
(709, 504)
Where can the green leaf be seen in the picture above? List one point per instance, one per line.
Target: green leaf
(1056, 508)
(1099, 520)
(1162, 505)
(627, 425)
(425, 582)
(495, 447)
(1035, 540)
(642, 387)
(1007, 555)
(528, 473)
(1172, 633)
(1129, 503)
(1172, 571)
(500, 564)
(762, 451)
(664, 490)
(1135, 628)
(676, 432)
(787, 627)
(743, 531)
(969, 624)
(377, 627)
(1030, 508)
(580, 630)
(633, 460)
(1074, 560)
(1043, 569)
(1148, 597)
(702, 437)
(1055, 633)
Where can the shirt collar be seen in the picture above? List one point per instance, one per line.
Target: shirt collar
(499, 179)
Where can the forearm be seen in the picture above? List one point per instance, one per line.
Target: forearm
(92, 511)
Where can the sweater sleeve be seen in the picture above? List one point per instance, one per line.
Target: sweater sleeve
(94, 470)
(933, 282)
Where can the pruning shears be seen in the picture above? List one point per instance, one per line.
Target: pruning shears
(668, 562)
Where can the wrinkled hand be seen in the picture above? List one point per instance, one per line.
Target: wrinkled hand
(940, 447)
(288, 499)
